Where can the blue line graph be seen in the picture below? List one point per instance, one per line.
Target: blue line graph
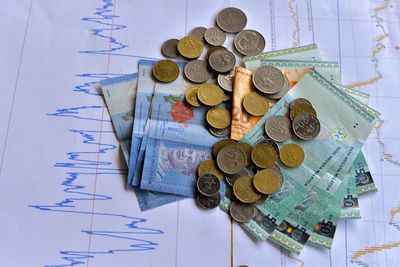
(82, 166)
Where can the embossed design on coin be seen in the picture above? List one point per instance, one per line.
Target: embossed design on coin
(198, 32)
(166, 71)
(231, 20)
(255, 104)
(231, 159)
(285, 88)
(278, 128)
(214, 36)
(190, 47)
(241, 212)
(221, 144)
(208, 184)
(263, 155)
(267, 181)
(231, 178)
(218, 117)
(249, 42)
(169, 48)
(268, 79)
(222, 60)
(208, 202)
(247, 150)
(292, 155)
(306, 126)
(197, 71)
(191, 96)
(219, 132)
(210, 94)
(226, 81)
(271, 142)
(244, 190)
(209, 166)
(301, 107)
(299, 100)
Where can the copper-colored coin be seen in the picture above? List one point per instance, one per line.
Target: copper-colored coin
(267, 181)
(247, 150)
(263, 155)
(166, 71)
(292, 155)
(301, 107)
(221, 144)
(244, 190)
(209, 166)
(191, 96)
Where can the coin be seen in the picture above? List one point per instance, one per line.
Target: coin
(299, 100)
(214, 36)
(221, 144)
(282, 92)
(247, 150)
(197, 71)
(278, 128)
(191, 96)
(241, 212)
(301, 107)
(208, 202)
(209, 166)
(268, 79)
(210, 94)
(208, 184)
(244, 190)
(292, 155)
(218, 117)
(249, 42)
(219, 132)
(255, 104)
(166, 71)
(306, 126)
(263, 155)
(231, 178)
(199, 33)
(259, 201)
(267, 181)
(231, 159)
(272, 143)
(222, 60)
(214, 48)
(226, 81)
(169, 48)
(231, 20)
(190, 47)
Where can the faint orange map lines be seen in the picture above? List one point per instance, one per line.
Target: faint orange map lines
(294, 14)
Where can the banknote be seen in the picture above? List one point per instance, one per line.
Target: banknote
(177, 141)
(119, 94)
(241, 120)
(363, 178)
(307, 52)
(350, 208)
(344, 126)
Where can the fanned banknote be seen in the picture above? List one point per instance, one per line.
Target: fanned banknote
(345, 124)
(177, 141)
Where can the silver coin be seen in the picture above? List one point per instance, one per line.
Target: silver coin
(169, 48)
(249, 42)
(241, 212)
(214, 36)
(208, 184)
(231, 178)
(219, 132)
(278, 128)
(222, 60)
(299, 100)
(198, 32)
(208, 202)
(231, 159)
(271, 142)
(231, 20)
(213, 48)
(268, 79)
(285, 88)
(226, 81)
(197, 71)
(229, 192)
(306, 126)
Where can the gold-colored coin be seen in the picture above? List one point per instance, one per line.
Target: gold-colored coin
(264, 155)
(190, 47)
(166, 71)
(267, 181)
(210, 94)
(301, 107)
(209, 166)
(244, 190)
(221, 144)
(292, 155)
(255, 104)
(247, 150)
(191, 96)
(218, 117)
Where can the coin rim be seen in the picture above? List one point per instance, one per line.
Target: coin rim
(241, 51)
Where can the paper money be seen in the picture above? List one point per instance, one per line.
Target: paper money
(241, 120)
(362, 175)
(330, 155)
(350, 208)
(119, 94)
(177, 141)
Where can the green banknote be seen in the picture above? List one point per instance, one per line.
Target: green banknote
(345, 124)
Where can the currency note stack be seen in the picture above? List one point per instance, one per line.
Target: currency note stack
(274, 139)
